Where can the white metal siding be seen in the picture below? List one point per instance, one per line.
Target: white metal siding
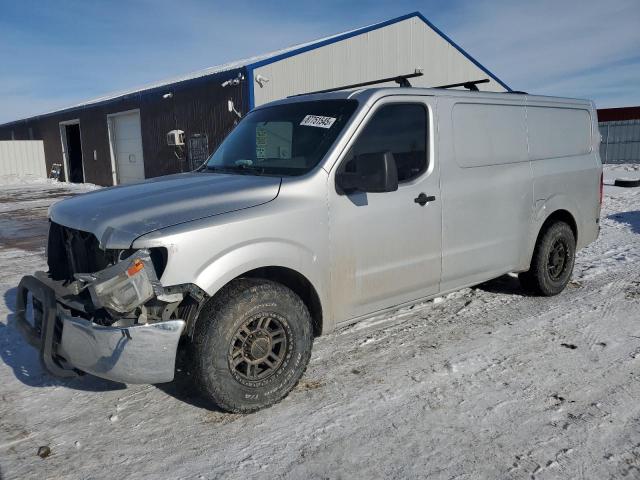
(620, 141)
(22, 158)
(396, 49)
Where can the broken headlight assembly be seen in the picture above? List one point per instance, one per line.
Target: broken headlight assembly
(123, 287)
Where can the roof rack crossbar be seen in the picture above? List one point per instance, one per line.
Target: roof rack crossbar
(470, 85)
(401, 80)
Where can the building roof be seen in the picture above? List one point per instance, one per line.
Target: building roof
(617, 114)
(267, 58)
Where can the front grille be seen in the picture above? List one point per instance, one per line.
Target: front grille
(71, 251)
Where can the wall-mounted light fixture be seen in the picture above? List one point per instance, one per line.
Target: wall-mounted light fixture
(233, 81)
(261, 80)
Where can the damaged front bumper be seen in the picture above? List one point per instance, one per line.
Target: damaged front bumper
(135, 353)
(138, 354)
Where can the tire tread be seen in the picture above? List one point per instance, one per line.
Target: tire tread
(535, 279)
(210, 314)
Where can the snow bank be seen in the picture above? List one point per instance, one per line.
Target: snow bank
(35, 183)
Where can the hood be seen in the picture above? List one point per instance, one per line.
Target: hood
(119, 215)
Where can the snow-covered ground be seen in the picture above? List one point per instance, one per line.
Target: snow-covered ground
(485, 383)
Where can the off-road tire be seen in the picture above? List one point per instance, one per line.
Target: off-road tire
(552, 262)
(218, 336)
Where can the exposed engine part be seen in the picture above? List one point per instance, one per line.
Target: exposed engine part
(71, 252)
(169, 310)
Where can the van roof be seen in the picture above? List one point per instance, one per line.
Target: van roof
(364, 95)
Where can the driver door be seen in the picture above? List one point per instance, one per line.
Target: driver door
(386, 247)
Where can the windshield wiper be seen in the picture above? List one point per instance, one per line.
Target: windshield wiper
(250, 168)
(217, 169)
(239, 169)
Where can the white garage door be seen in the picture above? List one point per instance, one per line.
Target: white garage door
(126, 145)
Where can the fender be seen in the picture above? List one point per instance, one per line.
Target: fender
(266, 252)
(242, 258)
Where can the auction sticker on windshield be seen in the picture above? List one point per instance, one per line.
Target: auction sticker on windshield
(317, 121)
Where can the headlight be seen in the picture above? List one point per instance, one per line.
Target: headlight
(125, 285)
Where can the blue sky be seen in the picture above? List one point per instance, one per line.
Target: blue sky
(57, 53)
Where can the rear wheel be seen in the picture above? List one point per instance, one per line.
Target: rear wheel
(552, 262)
(252, 344)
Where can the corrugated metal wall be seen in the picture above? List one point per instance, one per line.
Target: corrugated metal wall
(396, 49)
(23, 158)
(620, 141)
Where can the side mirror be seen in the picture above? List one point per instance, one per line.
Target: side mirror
(369, 172)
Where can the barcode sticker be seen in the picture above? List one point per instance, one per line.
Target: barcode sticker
(317, 121)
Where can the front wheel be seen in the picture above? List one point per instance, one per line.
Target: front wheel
(552, 262)
(252, 344)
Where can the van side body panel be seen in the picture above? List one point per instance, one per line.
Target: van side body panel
(566, 164)
(487, 190)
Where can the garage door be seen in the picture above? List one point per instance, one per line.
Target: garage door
(126, 145)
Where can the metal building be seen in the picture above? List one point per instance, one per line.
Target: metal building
(620, 130)
(122, 138)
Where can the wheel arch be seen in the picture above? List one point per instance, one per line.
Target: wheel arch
(290, 278)
(559, 215)
(299, 284)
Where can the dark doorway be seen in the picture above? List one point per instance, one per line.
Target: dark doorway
(74, 153)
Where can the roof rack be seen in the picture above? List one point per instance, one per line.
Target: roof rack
(471, 85)
(401, 80)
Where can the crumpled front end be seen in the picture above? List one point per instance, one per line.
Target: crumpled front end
(117, 323)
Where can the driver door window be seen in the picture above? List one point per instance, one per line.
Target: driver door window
(400, 129)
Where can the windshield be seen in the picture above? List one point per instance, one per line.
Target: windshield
(283, 140)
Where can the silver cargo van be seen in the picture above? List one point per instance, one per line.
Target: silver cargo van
(316, 211)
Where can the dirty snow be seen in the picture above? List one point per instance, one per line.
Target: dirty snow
(486, 383)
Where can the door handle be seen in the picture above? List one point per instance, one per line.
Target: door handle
(422, 199)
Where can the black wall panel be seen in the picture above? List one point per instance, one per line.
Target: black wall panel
(198, 106)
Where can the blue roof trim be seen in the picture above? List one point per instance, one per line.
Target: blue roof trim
(251, 67)
(251, 85)
(462, 51)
